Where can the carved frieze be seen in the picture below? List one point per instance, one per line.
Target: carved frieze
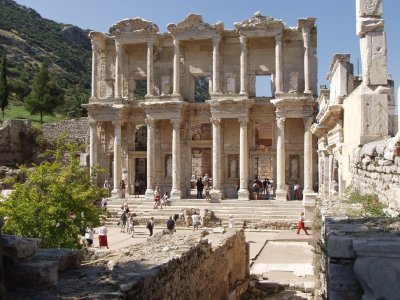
(259, 24)
(133, 26)
(194, 23)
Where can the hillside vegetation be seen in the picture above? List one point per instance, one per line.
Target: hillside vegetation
(28, 40)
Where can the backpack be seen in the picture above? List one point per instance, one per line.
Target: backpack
(170, 224)
(256, 188)
(123, 216)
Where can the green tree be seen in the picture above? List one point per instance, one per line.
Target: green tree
(3, 84)
(74, 108)
(55, 201)
(45, 96)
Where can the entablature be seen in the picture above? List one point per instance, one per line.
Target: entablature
(331, 115)
(260, 26)
(294, 105)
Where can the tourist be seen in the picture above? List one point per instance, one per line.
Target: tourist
(171, 225)
(125, 205)
(103, 231)
(89, 234)
(108, 187)
(231, 223)
(123, 218)
(255, 190)
(206, 180)
(207, 192)
(103, 203)
(200, 187)
(266, 186)
(301, 224)
(122, 187)
(165, 201)
(196, 221)
(150, 226)
(137, 188)
(297, 191)
(157, 197)
(131, 223)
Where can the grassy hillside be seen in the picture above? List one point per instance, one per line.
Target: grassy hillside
(28, 39)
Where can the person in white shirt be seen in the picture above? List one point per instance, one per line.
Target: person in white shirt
(231, 223)
(89, 234)
(196, 221)
(103, 231)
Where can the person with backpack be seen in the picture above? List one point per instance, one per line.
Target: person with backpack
(123, 218)
(171, 225)
(256, 190)
(150, 226)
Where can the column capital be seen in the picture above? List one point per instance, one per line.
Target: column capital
(150, 43)
(117, 123)
(306, 32)
(278, 38)
(150, 122)
(280, 122)
(308, 121)
(216, 40)
(176, 124)
(243, 40)
(176, 42)
(215, 120)
(243, 121)
(92, 122)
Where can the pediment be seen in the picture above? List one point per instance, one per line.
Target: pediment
(259, 22)
(195, 23)
(133, 26)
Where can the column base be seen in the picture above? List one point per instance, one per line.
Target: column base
(116, 193)
(176, 194)
(309, 203)
(149, 194)
(216, 196)
(243, 194)
(280, 195)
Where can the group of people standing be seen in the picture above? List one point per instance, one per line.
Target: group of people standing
(258, 187)
(200, 186)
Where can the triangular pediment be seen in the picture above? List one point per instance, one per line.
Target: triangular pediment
(133, 26)
(195, 23)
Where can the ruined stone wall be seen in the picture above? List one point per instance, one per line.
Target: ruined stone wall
(204, 272)
(15, 141)
(76, 129)
(375, 169)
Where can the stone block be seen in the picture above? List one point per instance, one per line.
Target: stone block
(341, 275)
(365, 25)
(340, 246)
(219, 230)
(67, 259)
(374, 58)
(18, 248)
(32, 274)
(370, 8)
(374, 116)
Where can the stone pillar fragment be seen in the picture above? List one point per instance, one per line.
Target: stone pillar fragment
(216, 193)
(278, 64)
(374, 58)
(176, 160)
(243, 65)
(216, 74)
(94, 69)
(280, 160)
(308, 167)
(306, 41)
(150, 79)
(116, 192)
(243, 193)
(176, 80)
(117, 85)
(93, 146)
(150, 159)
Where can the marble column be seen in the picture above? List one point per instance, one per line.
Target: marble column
(118, 83)
(243, 65)
(306, 42)
(176, 160)
(278, 64)
(280, 160)
(151, 167)
(93, 148)
(216, 74)
(94, 69)
(243, 193)
(150, 77)
(308, 162)
(116, 192)
(176, 83)
(216, 176)
(330, 174)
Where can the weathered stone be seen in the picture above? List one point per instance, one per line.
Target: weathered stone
(370, 8)
(18, 248)
(219, 230)
(67, 259)
(32, 274)
(374, 59)
(340, 246)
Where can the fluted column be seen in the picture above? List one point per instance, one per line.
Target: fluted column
(308, 165)
(117, 87)
(93, 146)
(215, 86)
(243, 193)
(116, 193)
(306, 42)
(150, 77)
(216, 177)
(176, 160)
(150, 158)
(278, 64)
(280, 160)
(243, 65)
(94, 69)
(176, 83)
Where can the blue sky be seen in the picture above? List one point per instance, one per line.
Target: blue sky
(335, 19)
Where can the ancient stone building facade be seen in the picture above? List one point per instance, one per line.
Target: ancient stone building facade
(169, 107)
(356, 117)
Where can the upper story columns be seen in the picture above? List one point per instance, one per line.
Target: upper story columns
(278, 64)
(243, 65)
(176, 80)
(216, 41)
(306, 25)
(150, 71)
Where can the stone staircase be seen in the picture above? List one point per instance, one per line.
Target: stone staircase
(271, 214)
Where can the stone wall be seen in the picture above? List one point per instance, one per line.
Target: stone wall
(16, 142)
(76, 130)
(375, 169)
